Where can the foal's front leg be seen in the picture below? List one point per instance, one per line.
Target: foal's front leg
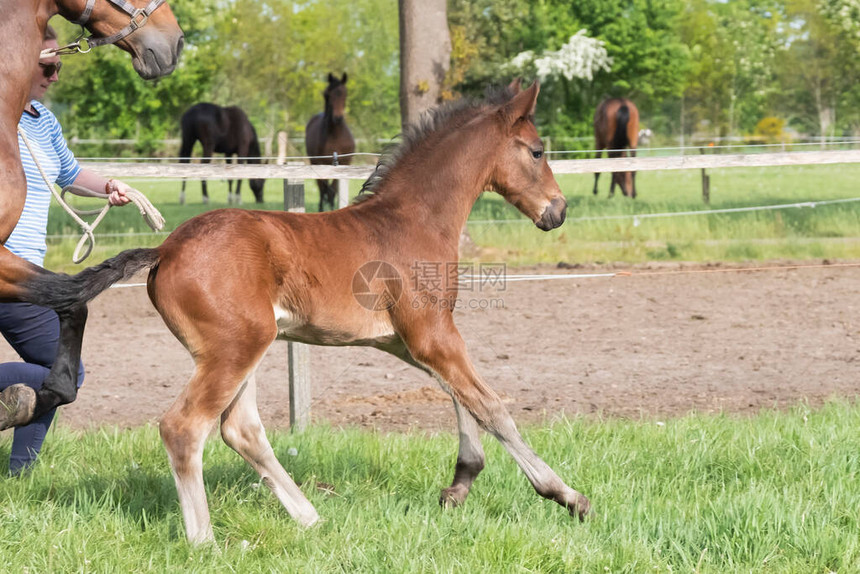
(445, 355)
(470, 458)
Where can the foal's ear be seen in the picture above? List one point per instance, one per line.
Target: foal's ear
(515, 86)
(343, 80)
(331, 79)
(522, 105)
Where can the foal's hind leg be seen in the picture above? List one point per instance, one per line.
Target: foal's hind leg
(445, 354)
(185, 426)
(243, 432)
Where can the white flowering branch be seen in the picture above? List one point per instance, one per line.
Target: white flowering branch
(581, 57)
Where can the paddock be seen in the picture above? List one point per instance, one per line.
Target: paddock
(664, 341)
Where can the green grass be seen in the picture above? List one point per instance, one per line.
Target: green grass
(800, 233)
(776, 492)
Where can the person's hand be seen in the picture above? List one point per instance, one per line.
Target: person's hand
(117, 191)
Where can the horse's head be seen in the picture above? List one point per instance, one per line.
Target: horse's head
(257, 188)
(625, 180)
(149, 32)
(521, 173)
(335, 96)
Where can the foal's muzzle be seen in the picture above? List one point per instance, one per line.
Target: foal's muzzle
(553, 215)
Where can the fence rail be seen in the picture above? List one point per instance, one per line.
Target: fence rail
(565, 166)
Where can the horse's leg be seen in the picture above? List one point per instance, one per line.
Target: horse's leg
(470, 456)
(633, 176)
(445, 355)
(239, 192)
(597, 173)
(230, 197)
(613, 176)
(207, 158)
(184, 157)
(243, 431)
(185, 426)
(323, 185)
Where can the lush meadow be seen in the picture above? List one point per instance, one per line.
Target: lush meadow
(825, 231)
(777, 492)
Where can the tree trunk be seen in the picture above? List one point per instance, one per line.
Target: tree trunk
(425, 55)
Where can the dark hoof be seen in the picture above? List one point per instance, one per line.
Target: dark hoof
(453, 496)
(17, 404)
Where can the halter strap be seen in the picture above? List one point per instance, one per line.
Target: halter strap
(139, 17)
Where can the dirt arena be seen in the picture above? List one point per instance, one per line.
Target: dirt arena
(664, 341)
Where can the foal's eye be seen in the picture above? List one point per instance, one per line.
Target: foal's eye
(537, 153)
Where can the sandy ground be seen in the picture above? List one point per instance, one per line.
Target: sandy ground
(664, 341)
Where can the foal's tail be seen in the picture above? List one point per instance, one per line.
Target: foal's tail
(61, 292)
(619, 138)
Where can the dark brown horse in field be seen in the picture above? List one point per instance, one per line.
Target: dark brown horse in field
(229, 282)
(154, 40)
(616, 128)
(328, 140)
(221, 130)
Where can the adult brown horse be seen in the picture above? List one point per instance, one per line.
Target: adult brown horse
(379, 288)
(616, 128)
(328, 140)
(147, 30)
(224, 130)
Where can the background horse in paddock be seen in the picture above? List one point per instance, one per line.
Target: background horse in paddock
(154, 50)
(221, 130)
(229, 282)
(616, 128)
(327, 134)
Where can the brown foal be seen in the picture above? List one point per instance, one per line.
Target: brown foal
(154, 47)
(229, 282)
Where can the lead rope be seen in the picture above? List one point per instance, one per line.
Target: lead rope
(150, 214)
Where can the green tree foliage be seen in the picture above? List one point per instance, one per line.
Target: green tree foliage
(641, 37)
(733, 47)
(101, 96)
(269, 57)
(711, 67)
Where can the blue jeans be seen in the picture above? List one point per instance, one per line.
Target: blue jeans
(34, 333)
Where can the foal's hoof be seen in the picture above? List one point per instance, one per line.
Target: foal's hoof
(580, 507)
(453, 496)
(17, 405)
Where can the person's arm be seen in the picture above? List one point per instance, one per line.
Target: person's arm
(115, 189)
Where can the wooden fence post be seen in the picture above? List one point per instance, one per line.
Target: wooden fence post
(706, 183)
(342, 193)
(298, 354)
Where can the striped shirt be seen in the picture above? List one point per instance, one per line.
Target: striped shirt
(46, 138)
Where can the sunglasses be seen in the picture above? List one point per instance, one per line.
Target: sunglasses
(49, 70)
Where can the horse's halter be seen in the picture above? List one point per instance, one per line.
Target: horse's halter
(139, 18)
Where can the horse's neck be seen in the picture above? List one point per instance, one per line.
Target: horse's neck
(328, 118)
(437, 187)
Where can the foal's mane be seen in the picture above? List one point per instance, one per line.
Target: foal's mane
(436, 121)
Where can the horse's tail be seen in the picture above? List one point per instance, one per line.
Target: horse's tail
(60, 292)
(619, 138)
